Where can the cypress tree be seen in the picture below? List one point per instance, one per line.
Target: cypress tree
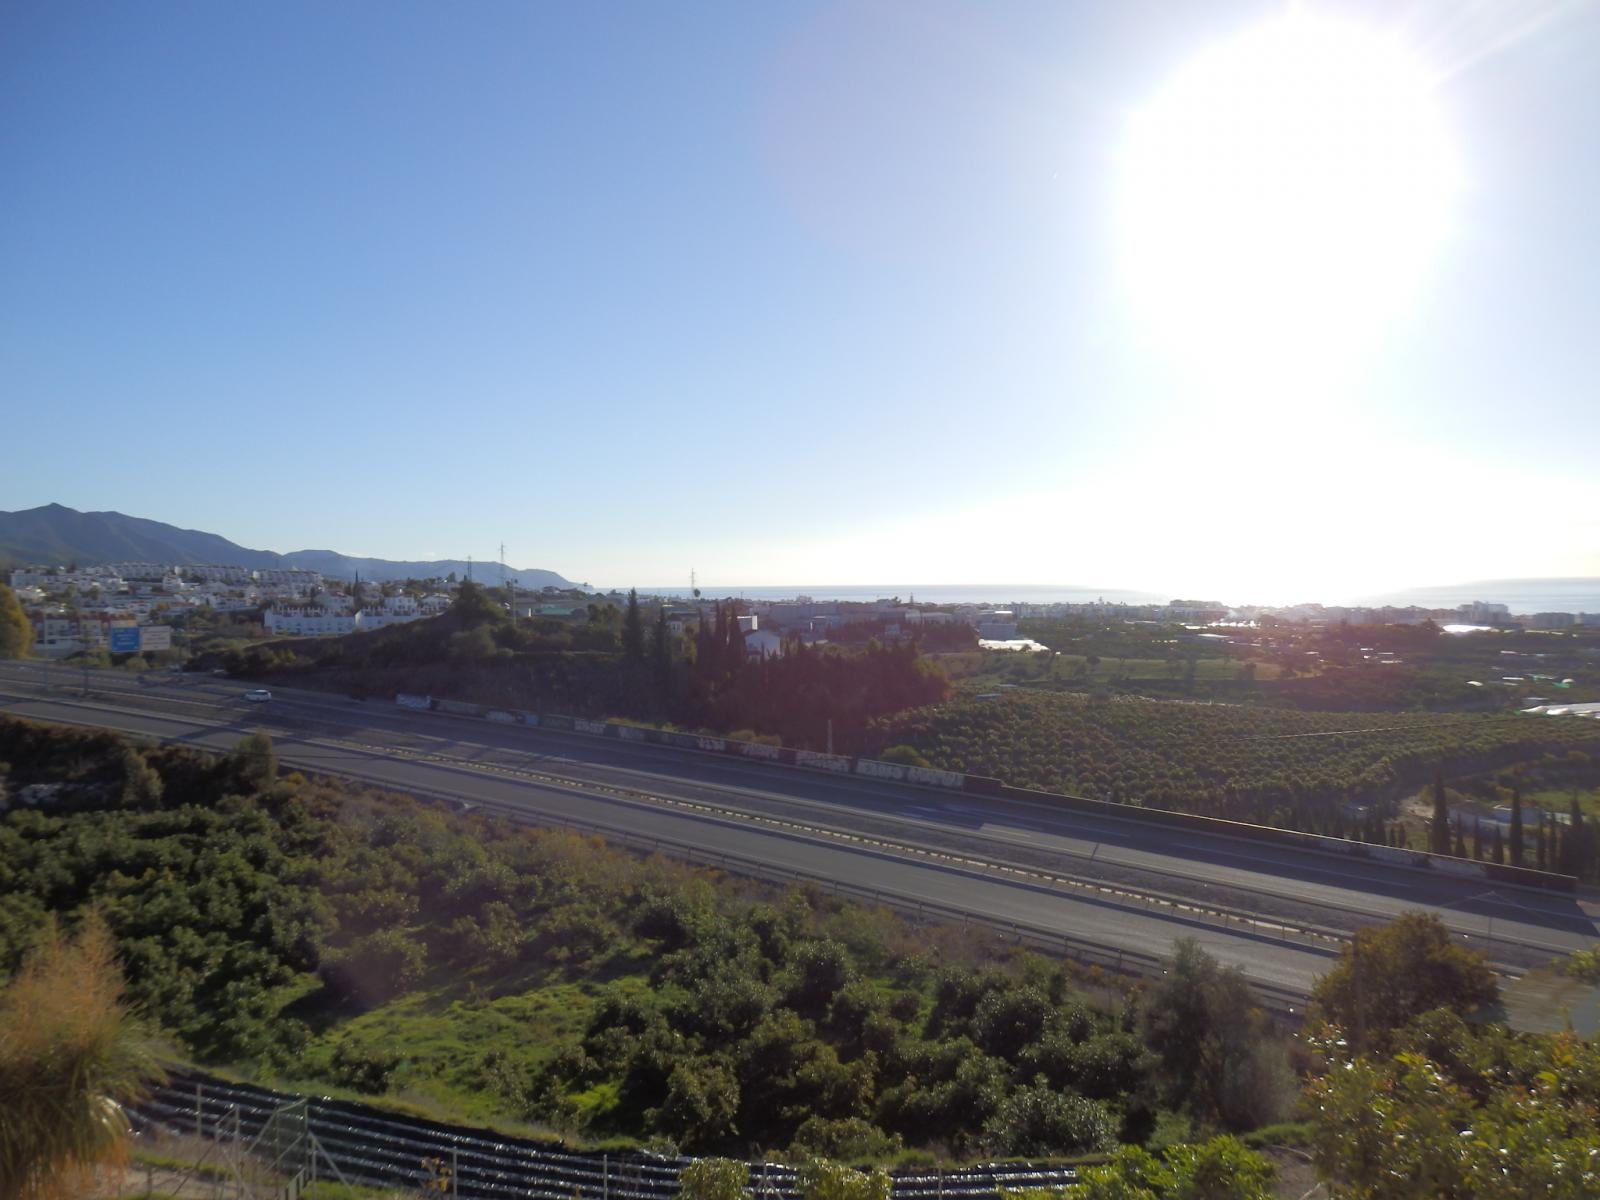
(1439, 839)
(1516, 827)
(1477, 839)
(1499, 850)
(1460, 847)
(661, 652)
(633, 629)
(1540, 851)
(1578, 852)
(736, 650)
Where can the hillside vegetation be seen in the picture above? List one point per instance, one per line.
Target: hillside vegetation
(346, 938)
(360, 941)
(616, 663)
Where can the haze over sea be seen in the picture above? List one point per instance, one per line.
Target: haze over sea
(1519, 595)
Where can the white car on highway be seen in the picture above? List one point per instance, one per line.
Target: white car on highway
(258, 695)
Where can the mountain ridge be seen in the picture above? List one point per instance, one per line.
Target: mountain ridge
(54, 533)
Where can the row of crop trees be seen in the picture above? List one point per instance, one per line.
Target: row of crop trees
(1276, 767)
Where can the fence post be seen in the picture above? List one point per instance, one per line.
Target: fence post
(199, 1125)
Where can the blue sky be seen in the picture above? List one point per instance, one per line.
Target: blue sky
(787, 293)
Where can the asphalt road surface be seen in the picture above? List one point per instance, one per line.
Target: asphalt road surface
(1107, 881)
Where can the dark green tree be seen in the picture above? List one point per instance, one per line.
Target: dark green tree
(1218, 1058)
(1516, 827)
(633, 629)
(473, 606)
(1574, 842)
(661, 651)
(1439, 828)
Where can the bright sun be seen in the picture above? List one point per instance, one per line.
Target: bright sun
(1280, 199)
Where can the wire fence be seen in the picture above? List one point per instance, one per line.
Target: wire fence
(291, 1141)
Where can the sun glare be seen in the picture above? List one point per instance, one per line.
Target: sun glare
(1281, 198)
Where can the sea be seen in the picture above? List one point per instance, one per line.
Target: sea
(1519, 595)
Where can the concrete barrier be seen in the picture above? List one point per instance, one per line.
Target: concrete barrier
(815, 760)
(631, 733)
(873, 769)
(934, 777)
(1457, 866)
(757, 750)
(421, 703)
(584, 725)
(459, 707)
(501, 717)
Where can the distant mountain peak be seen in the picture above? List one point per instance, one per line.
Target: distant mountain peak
(54, 533)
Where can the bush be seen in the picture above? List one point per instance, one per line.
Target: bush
(1041, 1120)
(847, 1140)
(377, 967)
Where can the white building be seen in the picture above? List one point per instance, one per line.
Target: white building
(763, 643)
(212, 573)
(290, 577)
(319, 621)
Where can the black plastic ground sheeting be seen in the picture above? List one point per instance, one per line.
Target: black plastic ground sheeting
(365, 1145)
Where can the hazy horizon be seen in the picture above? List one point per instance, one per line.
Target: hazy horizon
(1521, 596)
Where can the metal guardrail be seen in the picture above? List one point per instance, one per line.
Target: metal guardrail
(358, 1143)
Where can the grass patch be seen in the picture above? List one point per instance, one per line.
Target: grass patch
(465, 1056)
(1560, 799)
(1297, 1134)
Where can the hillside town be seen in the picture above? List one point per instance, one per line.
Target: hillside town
(77, 607)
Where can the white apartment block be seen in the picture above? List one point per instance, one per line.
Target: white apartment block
(318, 621)
(290, 577)
(218, 574)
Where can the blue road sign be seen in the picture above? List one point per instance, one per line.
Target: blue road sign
(125, 640)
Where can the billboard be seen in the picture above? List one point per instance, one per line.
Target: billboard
(155, 637)
(125, 639)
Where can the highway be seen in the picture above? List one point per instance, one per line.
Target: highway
(1106, 881)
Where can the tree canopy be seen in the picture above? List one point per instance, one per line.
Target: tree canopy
(16, 634)
(1390, 974)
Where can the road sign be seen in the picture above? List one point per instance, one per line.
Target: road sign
(155, 637)
(125, 639)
